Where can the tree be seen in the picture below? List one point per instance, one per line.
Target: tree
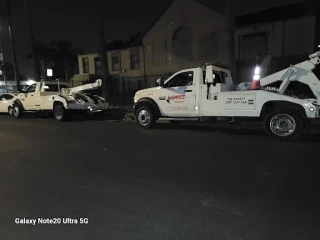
(45, 56)
(8, 69)
(65, 57)
(59, 55)
(114, 45)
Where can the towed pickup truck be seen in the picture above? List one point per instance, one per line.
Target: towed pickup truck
(59, 99)
(285, 103)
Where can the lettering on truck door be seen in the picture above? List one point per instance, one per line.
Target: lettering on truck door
(177, 97)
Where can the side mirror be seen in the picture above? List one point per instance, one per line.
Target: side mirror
(3, 99)
(160, 81)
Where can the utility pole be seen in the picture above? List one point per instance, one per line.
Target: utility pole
(230, 23)
(106, 84)
(2, 62)
(33, 44)
(14, 57)
(2, 59)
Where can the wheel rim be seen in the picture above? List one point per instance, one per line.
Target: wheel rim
(10, 111)
(16, 111)
(282, 125)
(144, 117)
(58, 113)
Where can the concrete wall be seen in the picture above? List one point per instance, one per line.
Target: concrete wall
(91, 58)
(124, 57)
(284, 38)
(159, 45)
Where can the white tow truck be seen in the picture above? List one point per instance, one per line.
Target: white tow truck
(58, 98)
(284, 104)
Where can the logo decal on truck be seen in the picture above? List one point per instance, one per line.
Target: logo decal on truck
(176, 98)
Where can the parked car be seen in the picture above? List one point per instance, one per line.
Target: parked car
(6, 102)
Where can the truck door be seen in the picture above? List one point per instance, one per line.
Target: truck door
(177, 98)
(29, 98)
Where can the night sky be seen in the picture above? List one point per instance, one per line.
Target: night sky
(75, 21)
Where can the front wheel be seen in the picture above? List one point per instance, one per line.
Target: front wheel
(284, 124)
(60, 113)
(10, 111)
(17, 111)
(145, 117)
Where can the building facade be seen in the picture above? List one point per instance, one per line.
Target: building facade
(174, 41)
(187, 34)
(276, 38)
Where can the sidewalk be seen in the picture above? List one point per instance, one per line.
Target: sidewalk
(120, 113)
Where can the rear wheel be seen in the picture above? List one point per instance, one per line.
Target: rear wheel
(99, 114)
(145, 117)
(284, 124)
(60, 113)
(17, 111)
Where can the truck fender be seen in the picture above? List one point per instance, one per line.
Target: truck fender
(64, 103)
(271, 105)
(150, 103)
(17, 101)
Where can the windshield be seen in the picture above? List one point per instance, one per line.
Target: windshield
(54, 87)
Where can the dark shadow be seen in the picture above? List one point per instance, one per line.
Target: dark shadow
(234, 129)
(225, 128)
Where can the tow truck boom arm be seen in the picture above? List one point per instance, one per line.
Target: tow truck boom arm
(88, 86)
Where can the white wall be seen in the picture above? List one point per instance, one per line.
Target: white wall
(182, 14)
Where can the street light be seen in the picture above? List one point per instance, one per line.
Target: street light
(30, 82)
(257, 72)
(49, 73)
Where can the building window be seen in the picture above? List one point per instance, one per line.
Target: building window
(182, 45)
(85, 64)
(115, 64)
(134, 61)
(97, 65)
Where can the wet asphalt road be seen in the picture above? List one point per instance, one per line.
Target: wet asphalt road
(172, 182)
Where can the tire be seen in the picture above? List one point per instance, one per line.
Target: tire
(99, 114)
(17, 111)
(145, 117)
(60, 113)
(284, 124)
(10, 111)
